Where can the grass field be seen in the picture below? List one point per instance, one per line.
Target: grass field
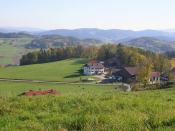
(12, 89)
(79, 107)
(66, 70)
(85, 108)
(11, 49)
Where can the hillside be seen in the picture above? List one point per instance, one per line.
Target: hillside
(85, 108)
(14, 45)
(11, 50)
(56, 41)
(66, 70)
(152, 44)
(16, 35)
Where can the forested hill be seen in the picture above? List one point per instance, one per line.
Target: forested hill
(55, 41)
(152, 44)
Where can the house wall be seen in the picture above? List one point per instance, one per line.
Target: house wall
(154, 80)
(93, 71)
(87, 71)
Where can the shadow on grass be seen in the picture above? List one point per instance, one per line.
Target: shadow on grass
(75, 74)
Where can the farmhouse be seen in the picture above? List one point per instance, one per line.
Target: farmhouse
(126, 73)
(94, 68)
(129, 74)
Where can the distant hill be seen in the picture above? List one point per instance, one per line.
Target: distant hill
(112, 35)
(55, 41)
(20, 29)
(152, 44)
(16, 35)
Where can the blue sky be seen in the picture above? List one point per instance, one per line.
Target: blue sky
(105, 14)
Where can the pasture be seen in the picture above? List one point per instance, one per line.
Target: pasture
(13, 89)
(65, 70)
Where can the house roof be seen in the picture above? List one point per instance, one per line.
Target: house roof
(95, 65)
(131, 70)
(92, 62)
(155, 74)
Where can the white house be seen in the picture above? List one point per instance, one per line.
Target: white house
(94, 68)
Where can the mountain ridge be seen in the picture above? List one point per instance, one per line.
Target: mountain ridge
(106, 35)
(110, 35)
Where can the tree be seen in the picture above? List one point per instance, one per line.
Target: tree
(106, 51)
(91, 52)
(144, 70)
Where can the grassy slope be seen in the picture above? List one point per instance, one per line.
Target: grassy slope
(80, 107)
(100, 108)
(66, 70)
(11, 49)
(12, 89)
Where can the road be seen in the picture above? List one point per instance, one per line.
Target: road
(52, 82)
(128, 87)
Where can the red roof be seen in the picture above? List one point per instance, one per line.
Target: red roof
(155, 74)
(95, 64)
(92, 62)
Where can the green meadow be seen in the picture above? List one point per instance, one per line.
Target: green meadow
(83, 107)
(66, 70)
(13, 89)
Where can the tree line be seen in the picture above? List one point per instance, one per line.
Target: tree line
(126, 55)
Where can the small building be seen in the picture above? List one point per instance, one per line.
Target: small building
(154, 78)
(94, 68)
(127, 74)
(130, 74)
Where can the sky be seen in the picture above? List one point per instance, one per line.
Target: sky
(104, 14)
